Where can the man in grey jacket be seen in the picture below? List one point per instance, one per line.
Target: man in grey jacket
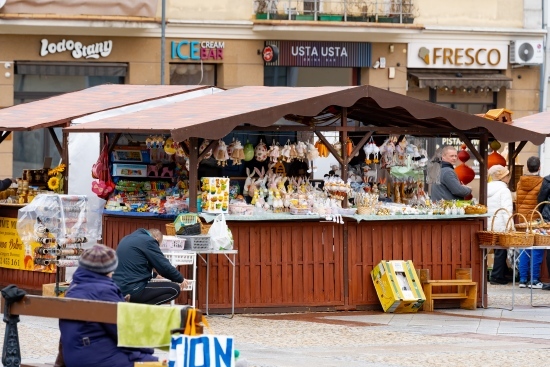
(449, 186)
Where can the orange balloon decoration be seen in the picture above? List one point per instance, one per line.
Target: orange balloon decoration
(495, 157)
(464, 172)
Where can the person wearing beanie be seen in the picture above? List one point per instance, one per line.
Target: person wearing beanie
(527, 192)
(448, 186)
(499, 196)
(139, 254)
(5, 184)
(94, 344)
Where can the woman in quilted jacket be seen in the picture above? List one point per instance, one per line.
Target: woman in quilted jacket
(499, 196)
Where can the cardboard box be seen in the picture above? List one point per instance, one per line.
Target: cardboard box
(48, 290)
(398, 286)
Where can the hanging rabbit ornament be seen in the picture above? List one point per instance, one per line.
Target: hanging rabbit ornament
(238, 153)
(203, 146)
(285, 153)
(260, 152)
(220, 153)
(301, 150)
(312, 154)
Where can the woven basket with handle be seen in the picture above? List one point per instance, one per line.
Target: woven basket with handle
(490, 237)
(513, 238)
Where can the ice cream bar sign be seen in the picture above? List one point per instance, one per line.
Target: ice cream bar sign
(197, 50)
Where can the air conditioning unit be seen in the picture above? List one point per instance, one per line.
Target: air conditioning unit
(526, 52)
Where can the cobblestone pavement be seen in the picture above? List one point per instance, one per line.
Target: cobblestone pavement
(449, 337)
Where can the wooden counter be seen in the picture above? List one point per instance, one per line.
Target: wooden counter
(312, 264)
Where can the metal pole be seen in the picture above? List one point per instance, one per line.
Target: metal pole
(162, 42)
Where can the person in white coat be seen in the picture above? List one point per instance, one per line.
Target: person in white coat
(499, 196)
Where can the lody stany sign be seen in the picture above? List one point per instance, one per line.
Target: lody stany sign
(320, 54)
(77, 49)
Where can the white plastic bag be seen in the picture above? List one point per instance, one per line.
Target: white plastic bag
(221, 237)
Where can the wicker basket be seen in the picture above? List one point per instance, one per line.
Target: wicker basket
(512, 238)
(364, 210)
(490, 237)
(170, 229)
(205, 228)
(542, 239)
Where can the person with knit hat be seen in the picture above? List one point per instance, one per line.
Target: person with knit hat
(94, 344)
(499, 196)
(139, 255)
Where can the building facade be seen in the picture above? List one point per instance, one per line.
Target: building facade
(453, 53)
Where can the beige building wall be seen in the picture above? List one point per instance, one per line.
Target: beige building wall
(208, 9)
(468, 13)
(396, 58)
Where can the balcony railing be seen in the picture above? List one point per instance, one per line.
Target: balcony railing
(387, 11)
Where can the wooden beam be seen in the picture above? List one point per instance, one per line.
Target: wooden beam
(516, 152)
(361, 143)
(469, 144)
(483, 144)
(511, 166)
(329, 147)
(56, 141)
(193, 173)
(345, 158)
(114, 142)
(212, 146)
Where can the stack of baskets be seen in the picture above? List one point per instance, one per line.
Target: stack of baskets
(541, 239)
(513, 238)
(490, 237)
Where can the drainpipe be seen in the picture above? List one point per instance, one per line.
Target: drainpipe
(543, 92)
(163, 41)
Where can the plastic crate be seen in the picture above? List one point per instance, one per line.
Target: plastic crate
(179, 258)
(194, 243)
(172, 243)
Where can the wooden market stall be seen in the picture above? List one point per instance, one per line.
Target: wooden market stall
(48, 114)
(303, 262)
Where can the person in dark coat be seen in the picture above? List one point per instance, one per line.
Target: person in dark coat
(5, 184)
(448, 187)
(139, 254)
(544, 209)
(94, 344)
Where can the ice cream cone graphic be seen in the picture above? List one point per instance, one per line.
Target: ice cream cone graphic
(424, 54)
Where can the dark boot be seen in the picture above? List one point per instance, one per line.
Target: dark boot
(59, 361)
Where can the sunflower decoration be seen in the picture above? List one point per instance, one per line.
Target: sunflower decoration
(55, 182)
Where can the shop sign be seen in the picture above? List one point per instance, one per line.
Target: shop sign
(77, 49)
(270, 53)
(320, 54)
(197, 50)
(458, 55)
(12, 249)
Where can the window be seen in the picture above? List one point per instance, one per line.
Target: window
(193, 74)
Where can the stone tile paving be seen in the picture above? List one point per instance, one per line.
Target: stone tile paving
(450, 337)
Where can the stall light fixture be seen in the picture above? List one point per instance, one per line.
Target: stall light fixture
(392, 48)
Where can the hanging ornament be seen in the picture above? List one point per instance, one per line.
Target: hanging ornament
(248, 151)
(495, 157)
(169, 146)
(349, 147)
(301, 150)
(238, 153)
(464, 172)
(220, 153)
(260, 152)
(322, 149)
(274, 152)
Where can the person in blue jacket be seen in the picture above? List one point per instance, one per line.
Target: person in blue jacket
(139, 257)
(94, 344)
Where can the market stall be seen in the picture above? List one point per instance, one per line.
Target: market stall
(49, 114)
(302, 260)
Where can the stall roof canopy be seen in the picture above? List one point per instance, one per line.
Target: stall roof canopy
(59, 110)
(494, 81)
(539, 123)
(214, 116)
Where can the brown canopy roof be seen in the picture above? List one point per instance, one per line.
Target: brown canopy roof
(539, 122)
(61, 109)
(214, 116)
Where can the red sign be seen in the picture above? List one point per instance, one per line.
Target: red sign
(270, 53)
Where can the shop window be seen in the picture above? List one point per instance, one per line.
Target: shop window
(193, 74)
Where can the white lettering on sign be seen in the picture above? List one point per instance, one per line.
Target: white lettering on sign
(78, 50)
(212, 44)
(331, 51)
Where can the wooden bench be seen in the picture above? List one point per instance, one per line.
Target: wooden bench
(466, 289)
(52, 307)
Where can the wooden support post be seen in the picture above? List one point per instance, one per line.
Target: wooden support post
(511, 166)
(193, 173)
(345, 158)
(483, 144)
